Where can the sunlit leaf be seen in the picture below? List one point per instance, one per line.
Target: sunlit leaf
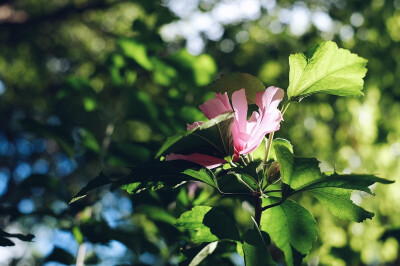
(333, 191)
(351, 181)
(203, 175)
(338, 202)
(326, 69)
(290, 226)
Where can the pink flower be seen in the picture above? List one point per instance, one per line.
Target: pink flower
(247, 134)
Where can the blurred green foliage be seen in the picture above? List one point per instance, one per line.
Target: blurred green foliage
(98, 85)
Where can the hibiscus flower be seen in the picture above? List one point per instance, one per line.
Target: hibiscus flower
(247, 134)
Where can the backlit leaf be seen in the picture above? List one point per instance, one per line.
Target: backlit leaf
(325, 68)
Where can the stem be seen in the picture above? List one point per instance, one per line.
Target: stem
(81, 255)
(243, 160)
(270, 137)
(257, 208)
(285, 107)
(244, 183)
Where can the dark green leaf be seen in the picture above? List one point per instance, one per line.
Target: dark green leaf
(214, 138)
(236, 81)
(153, 175)
(290, 226)
(210, 224)
(351, 181)
(256, 252)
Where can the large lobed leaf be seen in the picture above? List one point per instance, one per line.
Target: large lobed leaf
(334, 191)
(327, 69)
(236, 81)
(210, 224)
(214, 138)
(291, 227)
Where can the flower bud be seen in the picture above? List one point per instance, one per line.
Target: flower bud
(273, 174)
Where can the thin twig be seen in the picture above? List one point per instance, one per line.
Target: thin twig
(275, 190)
(273, 205)
(244, 183)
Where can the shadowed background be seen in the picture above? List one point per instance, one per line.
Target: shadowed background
(90, 85)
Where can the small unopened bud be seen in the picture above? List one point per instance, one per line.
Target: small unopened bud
(273, 174)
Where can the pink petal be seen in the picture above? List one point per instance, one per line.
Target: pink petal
(215, 106)
(224, 99)
(202, 159)
(194, 125)
(270, 123)
(239, 103)
(268, 120)
(270, 98)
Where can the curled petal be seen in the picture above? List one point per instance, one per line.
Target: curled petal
(202, 159)
(216, 106)
(224, 99)
(270, 98)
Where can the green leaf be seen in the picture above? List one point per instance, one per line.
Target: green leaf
(290, 226)
(202, 175)
(207, 250)
(214, 138)
(210, 224)
(295, 171)
(326, 69)
(333, 191)
(147, 176)
(338, 202)
(256, 252)
(303, 174)
(352, 181)
(136, 51)
(282, 142)
(236, 81)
